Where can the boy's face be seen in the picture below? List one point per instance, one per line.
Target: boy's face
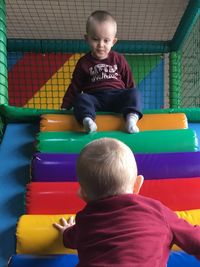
(101, 38)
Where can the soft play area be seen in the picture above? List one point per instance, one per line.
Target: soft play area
(40, 44)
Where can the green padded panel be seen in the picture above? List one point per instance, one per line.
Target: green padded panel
(144, 142)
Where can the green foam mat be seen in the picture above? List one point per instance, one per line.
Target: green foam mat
(184, 140)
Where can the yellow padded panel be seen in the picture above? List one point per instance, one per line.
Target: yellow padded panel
(36, 235)
(60, 122)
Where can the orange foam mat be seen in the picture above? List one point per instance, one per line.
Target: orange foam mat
(36, 234)
(60, 122)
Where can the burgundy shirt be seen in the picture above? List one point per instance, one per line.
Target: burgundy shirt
(91, 74)
(129, 231)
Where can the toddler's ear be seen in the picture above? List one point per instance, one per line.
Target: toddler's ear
(114, 41)
(138, 183)
(82, 194)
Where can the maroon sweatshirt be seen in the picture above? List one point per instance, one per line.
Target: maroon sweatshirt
(92, 74)
(129, 231)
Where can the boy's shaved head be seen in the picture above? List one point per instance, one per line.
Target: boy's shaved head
(100, 16)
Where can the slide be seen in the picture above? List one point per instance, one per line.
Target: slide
(16, 151)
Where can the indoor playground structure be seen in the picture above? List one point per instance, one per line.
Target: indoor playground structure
(40, 43)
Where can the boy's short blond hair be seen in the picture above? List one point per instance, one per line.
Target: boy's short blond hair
(100, 16)
(106, 167)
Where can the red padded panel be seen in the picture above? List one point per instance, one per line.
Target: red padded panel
(177, 194)
(53, 198)
(61, 197)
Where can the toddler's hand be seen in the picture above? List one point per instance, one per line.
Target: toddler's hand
(64, 224)
(66, 107)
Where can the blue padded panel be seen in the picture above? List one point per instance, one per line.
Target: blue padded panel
(43, 261)
(182, 259)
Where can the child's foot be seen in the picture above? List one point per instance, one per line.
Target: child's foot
(131, 123)
(89, 125)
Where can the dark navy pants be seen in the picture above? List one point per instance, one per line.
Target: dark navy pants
(122, 101)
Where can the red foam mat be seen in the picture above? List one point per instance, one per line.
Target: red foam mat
(177, 194)
(53, 198)
(61, 197)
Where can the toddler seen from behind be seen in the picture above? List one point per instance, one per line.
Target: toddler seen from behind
(118, 227)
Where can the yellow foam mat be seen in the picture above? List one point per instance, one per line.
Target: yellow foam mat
(36, 235)
(60, 122)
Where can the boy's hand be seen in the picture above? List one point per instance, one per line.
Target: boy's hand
(64, 224)
(67, 108)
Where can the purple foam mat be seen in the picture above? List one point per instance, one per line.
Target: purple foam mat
(62, 167)
(53, 167)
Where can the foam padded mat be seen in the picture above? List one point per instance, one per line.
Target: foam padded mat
(182, 259)
(60, 122)
(53, 167)
(176, 259)
(43, 261)
(177, 194)
(53, 198)
(61, 197)
(184, 140)
(36, 234)
(62, 167)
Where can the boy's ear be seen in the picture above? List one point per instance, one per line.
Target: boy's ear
(138, 183)
(82, 194)
(114, 41)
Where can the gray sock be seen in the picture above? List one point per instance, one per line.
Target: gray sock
(131, 123)
(89, 125)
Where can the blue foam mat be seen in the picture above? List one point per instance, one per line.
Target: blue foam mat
(176, 259)
(43, 261)
(182, 259)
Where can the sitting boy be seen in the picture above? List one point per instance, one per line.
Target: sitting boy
(118, 227)
(102, 79)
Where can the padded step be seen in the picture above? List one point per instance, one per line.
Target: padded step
(61, 197)
(184, 140)
(182, 259)
(177, 194)
(60, 122)
(55, 167)
(176, 259)
(53, 198)
(43, 261)
(36, 235)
